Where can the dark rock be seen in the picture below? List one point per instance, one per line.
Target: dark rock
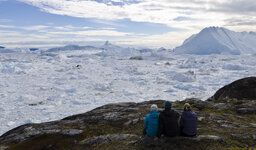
(214, 117)
(35, 104)
(136, 58)
(197, 103)
(149, 141)
(223, 106)
(107, 138)
(167, 63)
(222, 122)
(241, 89)
(33, 49)
(241, 136)
(71, 132)
(246, 110)
(132, 142)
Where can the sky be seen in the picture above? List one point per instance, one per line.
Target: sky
(149, 23)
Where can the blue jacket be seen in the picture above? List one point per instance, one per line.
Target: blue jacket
(188, 122)
(151, 123)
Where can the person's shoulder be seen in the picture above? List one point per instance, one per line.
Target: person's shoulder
(183, 113)
(194, 113)
(174, 111)
(161, 113)
(148, 115)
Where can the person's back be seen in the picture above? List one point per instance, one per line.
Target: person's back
(151, 122)
(168, 122)
(188, 122)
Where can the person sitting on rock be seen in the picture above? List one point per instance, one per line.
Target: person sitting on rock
(188, 122)
(168, 122)
(151, 121)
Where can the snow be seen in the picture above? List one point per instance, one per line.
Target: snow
(49, 85)
(216, 40)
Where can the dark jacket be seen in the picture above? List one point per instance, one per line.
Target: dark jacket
(188, 123)
(151, 123)
(168, 123)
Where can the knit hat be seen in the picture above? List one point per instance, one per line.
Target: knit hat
(153, 107)
(167, 104)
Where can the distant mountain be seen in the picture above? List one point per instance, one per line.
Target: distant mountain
(115, 50)
(4, 50)
(217, 40)
(72, 47)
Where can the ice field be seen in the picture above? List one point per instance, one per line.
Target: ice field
(44, 86)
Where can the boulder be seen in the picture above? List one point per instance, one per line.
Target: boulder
(197, 103)
(241, 89)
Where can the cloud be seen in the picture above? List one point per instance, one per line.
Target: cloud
(38, 27)
(6, 26)
(92, 33)
(42, 35)
(184, 14)
(187, 16)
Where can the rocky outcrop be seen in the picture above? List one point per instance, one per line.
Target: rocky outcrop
(120, 125)
(243, 89)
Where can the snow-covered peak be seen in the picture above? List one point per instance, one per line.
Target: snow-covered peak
(218, 40)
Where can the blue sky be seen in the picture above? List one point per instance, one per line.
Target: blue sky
(165, 23)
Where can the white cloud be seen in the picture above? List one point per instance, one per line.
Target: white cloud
(188, 15)
(39, 27)
(6, 26)
(92, 33)
(168, 40)
(204, 12)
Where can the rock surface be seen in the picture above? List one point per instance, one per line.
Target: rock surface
(107, 138)
(120, 125)
(241, 89)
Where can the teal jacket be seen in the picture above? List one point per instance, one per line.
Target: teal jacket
(151, 123)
